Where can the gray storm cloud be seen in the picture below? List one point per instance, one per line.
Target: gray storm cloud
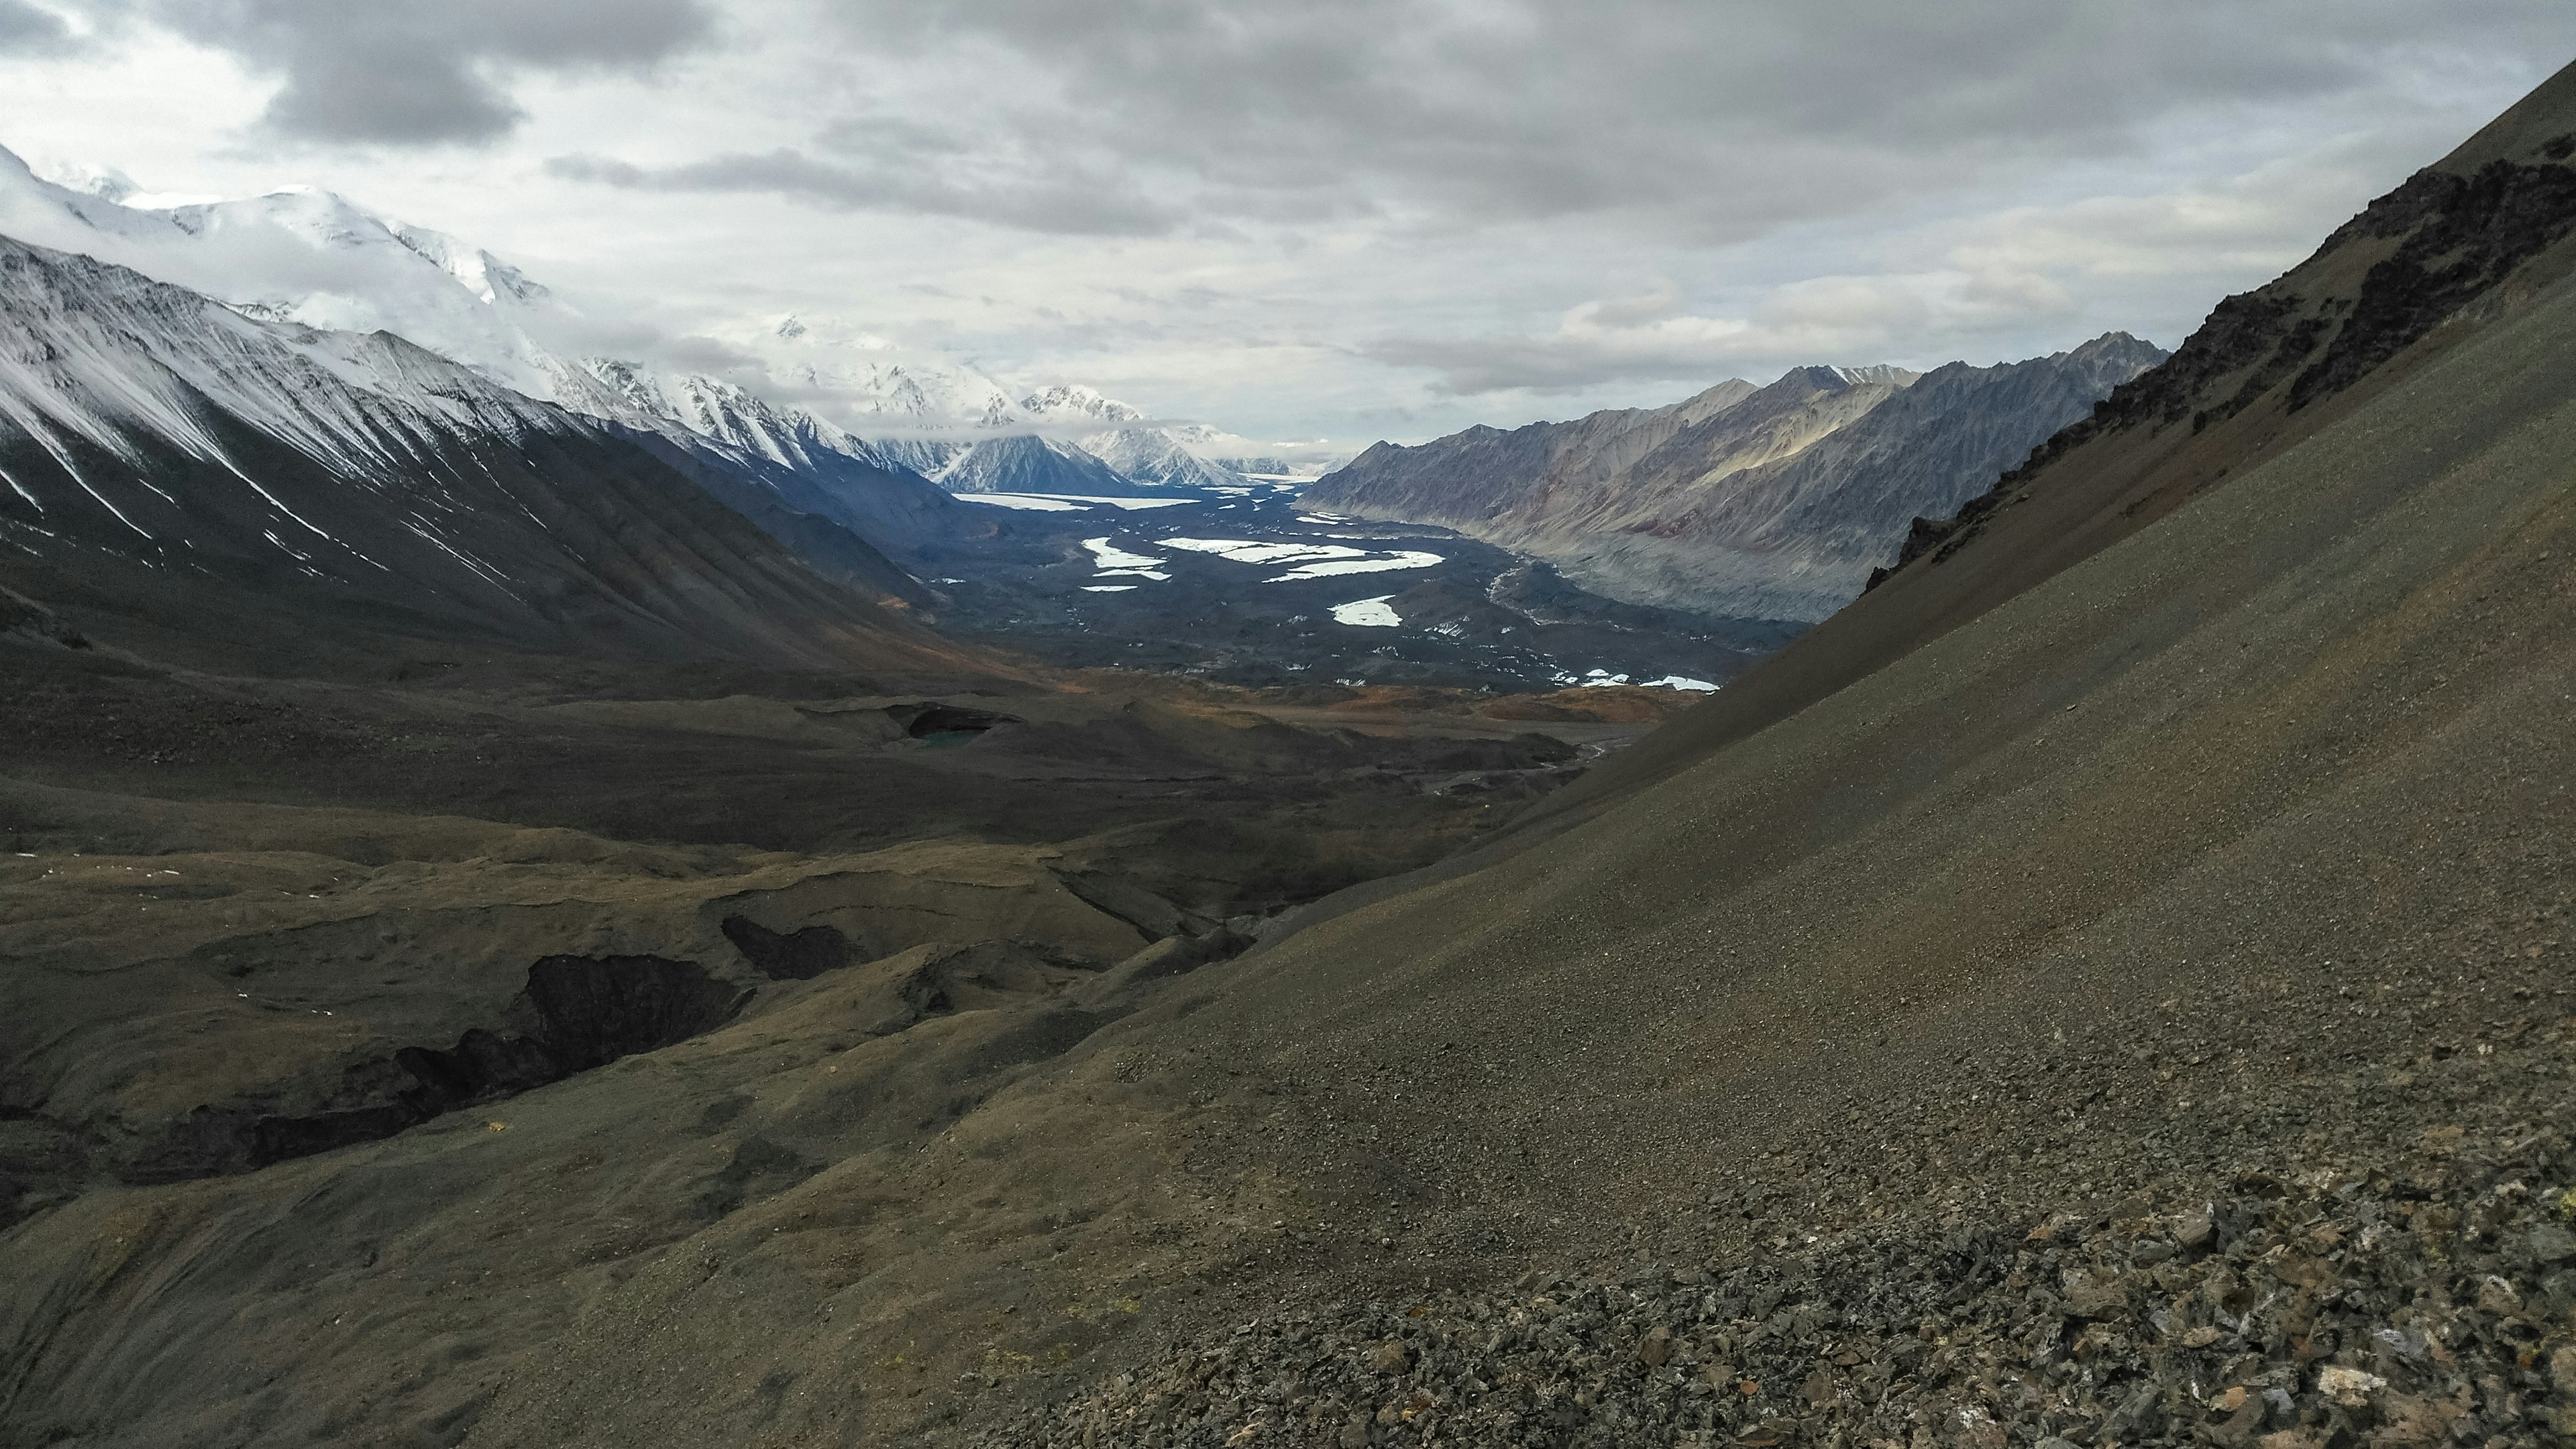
(27, 30)
(1722, 117)
(1310, 217)
(424, 73)
(1706, 122)
(1710, 121)
(901, 180)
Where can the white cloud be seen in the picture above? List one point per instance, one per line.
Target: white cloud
(1346, 220)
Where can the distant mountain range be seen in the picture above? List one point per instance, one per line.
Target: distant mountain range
(311, 256)
(1757, 502)
(1760, 502)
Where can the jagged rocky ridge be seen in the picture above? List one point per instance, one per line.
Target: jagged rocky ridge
(2382, 282)
(1770, 502)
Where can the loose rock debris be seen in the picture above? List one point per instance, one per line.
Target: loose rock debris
(2435, 1306)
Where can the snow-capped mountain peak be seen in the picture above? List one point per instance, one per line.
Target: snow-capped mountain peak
(480, 272)
(869, 383)
(310, 256)
(1883, 373)
(96, 355)
(1073, 402)
(108, 183)
(729, 413)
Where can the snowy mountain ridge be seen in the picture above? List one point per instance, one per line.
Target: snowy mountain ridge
(231, 467)
(376, 303)
(97, 358)
(1075, 402)
(67, 350)
(309, 256)
(314, 257)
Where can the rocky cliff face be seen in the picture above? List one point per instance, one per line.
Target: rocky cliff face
(1770, 502)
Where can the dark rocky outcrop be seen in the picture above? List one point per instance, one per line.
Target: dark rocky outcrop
(799, 955)
(2457, 237)
(579, 1013)
(25, 620)
(923, 721)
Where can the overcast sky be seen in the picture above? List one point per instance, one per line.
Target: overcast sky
(1325, 219)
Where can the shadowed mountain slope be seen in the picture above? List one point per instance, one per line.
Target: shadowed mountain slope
(2181, 870)
(176, 471)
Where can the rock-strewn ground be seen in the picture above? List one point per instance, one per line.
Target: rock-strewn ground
(2403, 1274)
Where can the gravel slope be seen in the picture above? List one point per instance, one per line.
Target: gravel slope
(2206, 858)
(2403, 1286)
(2218, 865)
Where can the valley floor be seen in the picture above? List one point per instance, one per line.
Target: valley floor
(513, 1054)
(260, 932)
(1254, 589)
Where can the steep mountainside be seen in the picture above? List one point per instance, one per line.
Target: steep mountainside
(1029, 463)
(2124, 1014)
(1127, 441)
(2465, 243)
(161, 451)
(1769, 503)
